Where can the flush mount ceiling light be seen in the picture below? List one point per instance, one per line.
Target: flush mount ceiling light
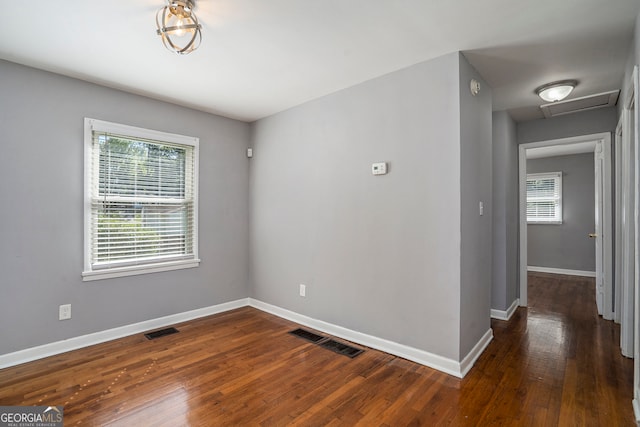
(178, 26)
(556, 91)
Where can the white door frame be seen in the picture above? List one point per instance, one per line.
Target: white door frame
(636, 211)
(522, 178)
(604, 229)
(627, 226)
(617, 268)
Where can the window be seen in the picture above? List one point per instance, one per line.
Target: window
(141, 205)
(544, 198)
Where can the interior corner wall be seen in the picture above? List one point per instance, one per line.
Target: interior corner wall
(505, 212)
(475, 188)
(41, 185)
(378, 254)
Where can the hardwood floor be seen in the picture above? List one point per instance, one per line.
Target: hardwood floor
(554, 363)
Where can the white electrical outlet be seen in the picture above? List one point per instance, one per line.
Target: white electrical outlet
(303, 290)
(64, 312)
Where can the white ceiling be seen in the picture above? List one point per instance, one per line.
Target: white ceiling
(260, 57)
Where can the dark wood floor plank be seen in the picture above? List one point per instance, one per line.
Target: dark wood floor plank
(554, 363)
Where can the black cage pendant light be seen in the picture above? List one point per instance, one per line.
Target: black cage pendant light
(178, 27)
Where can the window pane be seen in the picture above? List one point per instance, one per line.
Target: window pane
(141, 200)
(544, 203)
(136, 168)
(542, 188)
(133, 231)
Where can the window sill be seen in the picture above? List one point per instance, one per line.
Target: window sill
(133, 270)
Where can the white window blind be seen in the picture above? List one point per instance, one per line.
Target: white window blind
(141, 200)
(544, 198)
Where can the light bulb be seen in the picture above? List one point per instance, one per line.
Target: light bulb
(557, 91)
(180, 24)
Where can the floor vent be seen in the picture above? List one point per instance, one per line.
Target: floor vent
(161, 333)
(329, 344)
(308, 335)
(341, 348)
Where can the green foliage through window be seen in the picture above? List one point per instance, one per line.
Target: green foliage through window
(142, 201)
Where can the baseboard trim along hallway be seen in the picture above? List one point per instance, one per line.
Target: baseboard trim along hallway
(505, 315)
(552, 270)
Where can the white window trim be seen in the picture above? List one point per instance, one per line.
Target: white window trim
(555, 175)
(91, 125)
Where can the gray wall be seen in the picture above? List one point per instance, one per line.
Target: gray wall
(475, 187)
(567, 245)
(41, 186)
(588, 122)
(379, 254)
(374, 253)
(632, 60)
(382, 255)
(506, 199)
(585, 123)
(505, 212)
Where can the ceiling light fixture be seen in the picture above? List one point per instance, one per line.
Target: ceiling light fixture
(556, 91)
(178, 26)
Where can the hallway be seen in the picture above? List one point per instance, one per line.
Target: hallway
(559, 363)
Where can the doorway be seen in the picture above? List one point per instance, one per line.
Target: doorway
(600, 144)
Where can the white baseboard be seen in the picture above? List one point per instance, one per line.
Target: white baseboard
(562, 271)
(636, 410)
(470, 359)
(443, 364)
(46, 350)
(505, 315)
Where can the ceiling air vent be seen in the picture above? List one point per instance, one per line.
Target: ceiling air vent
(600, 100)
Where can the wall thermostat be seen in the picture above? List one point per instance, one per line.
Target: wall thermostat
(379, 168)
